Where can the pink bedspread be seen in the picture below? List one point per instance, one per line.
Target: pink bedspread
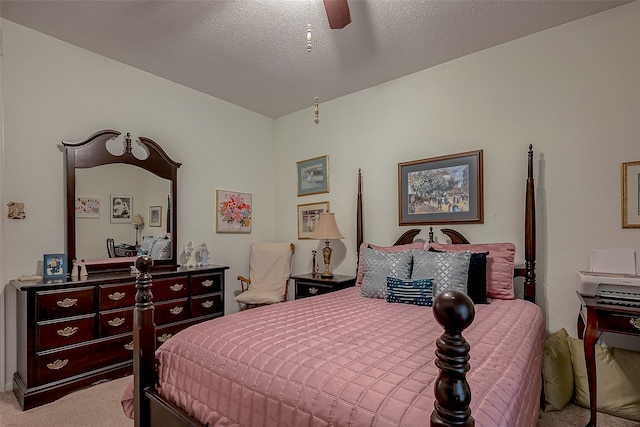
(344, 360)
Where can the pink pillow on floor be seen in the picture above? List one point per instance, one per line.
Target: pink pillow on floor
(399, 248)
(499, 265)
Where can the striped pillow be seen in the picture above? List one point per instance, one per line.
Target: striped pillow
(417, 291)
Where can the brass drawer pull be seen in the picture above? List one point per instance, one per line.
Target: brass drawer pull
(176, 310)
(129, 346)
(67, 302)
(164, 337)
(117, 321)
(177, 287)
(313, 291)
(116, 296)
(58, 364)
(207, 304)
(207, 283)
(635, 322)
(68, 331)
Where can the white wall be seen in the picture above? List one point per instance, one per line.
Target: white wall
(53, 91)
(572, 91)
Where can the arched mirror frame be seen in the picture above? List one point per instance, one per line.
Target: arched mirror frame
(93, 152)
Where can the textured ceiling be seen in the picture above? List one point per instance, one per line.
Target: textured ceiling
(252, 53)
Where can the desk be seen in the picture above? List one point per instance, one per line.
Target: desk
(600, 318)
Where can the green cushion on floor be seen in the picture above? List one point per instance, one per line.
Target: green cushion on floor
(557, 371)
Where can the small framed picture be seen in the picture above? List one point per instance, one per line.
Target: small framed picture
(313, 176)
(308, 216)
(441, 190)
(121, 208)
(233, 211)
(87, 207)
(631, 195)
(155, 216)
(54, 266)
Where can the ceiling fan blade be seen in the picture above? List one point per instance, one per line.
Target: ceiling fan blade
(337, 13)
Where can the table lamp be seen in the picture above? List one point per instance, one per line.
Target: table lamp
(137, 221)
(326, 230)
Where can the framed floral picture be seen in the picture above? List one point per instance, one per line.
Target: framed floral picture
(87, 207)
(308, 216)
(233, 212)
(313, 176)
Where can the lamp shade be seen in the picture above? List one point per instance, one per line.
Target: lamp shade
(137, 220)
(327, 229)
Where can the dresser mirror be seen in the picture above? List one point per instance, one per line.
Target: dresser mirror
(120, 200)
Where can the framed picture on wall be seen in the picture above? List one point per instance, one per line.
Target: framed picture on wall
(54, 266)
(121, 208)
(87, 207)
(308, 216)
(441, 190)
(233, 211)
(313, 176)
(155, 216)
(631, 195)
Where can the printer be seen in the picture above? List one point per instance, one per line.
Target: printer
(612, 277)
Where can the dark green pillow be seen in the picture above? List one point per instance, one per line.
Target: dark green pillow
(557, 371)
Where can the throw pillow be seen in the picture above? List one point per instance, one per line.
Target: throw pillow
(418, 292)
(557, 371)
(477, 277)
(398, 248)
(617, 376)
(449, 270)
(378, 265)
(499, 265)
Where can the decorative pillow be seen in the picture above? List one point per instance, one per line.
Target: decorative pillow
(449, 270)
(161, 249)
(499, 265)
(477, 277)
(377, 266)
(398, 248)
(617, 375)
(147, 243)
(418, 292)
(557, 371)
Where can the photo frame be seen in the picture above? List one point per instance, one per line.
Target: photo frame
(313, 176)
(233, 212)
(441, 190)
(631, 195)
(54, 266)
(121, 209)
(155, 216)
(87, 207)
(308, 216)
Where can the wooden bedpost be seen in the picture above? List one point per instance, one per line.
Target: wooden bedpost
(144, 345)
(530, 234)
(454, 311)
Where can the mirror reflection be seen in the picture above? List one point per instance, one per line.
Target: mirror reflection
(120, 209)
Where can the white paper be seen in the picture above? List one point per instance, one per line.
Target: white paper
(613, 261)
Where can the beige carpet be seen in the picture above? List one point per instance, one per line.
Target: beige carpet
(99, 406)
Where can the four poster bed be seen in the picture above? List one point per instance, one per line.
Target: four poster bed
(343, 359)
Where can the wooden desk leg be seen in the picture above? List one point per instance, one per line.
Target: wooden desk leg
(590, 337)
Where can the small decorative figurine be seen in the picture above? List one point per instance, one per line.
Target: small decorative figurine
(204, 254)
(83, 269)
(190, 256)
(75, 271)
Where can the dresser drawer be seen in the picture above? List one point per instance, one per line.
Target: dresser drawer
(306, 289)
(65, 303)
(171, 311)
(116, 322)
(167, 289)
(618, 322)
(118, 295)
(56, 365)
(53, 334)
(206, 283)
(204, 305)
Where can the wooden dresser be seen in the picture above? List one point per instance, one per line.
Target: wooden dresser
(77, 333)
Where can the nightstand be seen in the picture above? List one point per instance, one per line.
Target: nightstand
(308, 285)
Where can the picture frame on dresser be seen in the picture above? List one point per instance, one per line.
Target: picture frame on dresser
(631, 195)
(54, 267)
(441, 190)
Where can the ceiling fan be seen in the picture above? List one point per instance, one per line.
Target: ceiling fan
(337, 13)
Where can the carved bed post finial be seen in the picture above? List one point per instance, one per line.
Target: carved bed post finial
(127, 143)
(454, 311)
(431, 240)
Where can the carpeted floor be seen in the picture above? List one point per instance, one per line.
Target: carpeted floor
(99, 406)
